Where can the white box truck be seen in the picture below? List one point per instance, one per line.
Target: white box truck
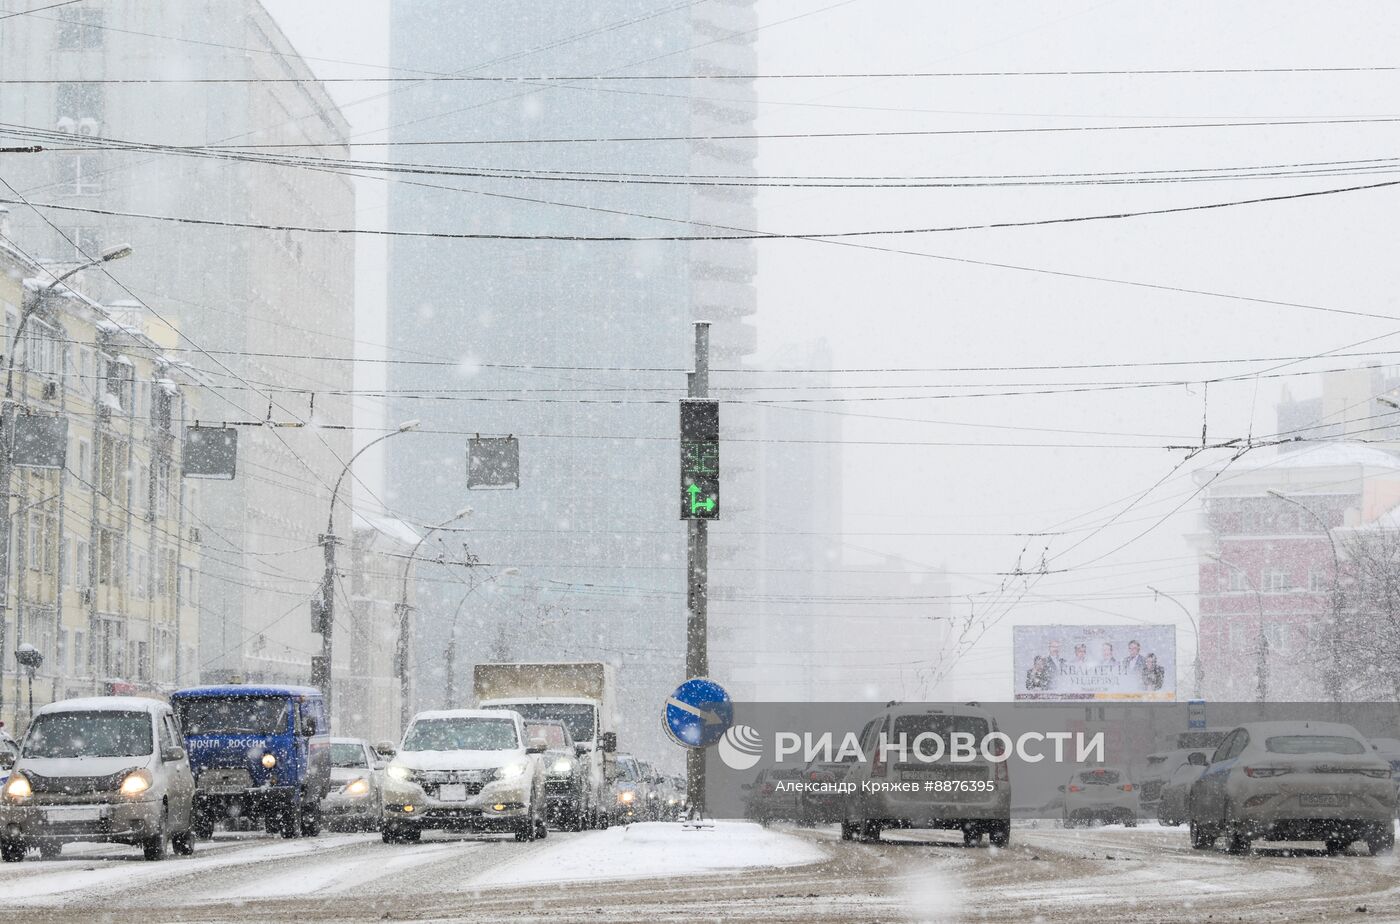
(579, 694)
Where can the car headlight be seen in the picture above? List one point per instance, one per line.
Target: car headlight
(136, 782)
(510, 771)
(269, 761)
(399, 772)
(357, 787)
(651, 795)
(562, 767)
(626, 796)
(18, 788)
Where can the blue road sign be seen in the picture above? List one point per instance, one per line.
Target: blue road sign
(698, 713)
(1196, 715)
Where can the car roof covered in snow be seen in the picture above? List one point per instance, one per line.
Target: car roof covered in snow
(247, 689)
(575, 700)
(1299, 727)
(467, 714)
(1321, 455)
(103, 704)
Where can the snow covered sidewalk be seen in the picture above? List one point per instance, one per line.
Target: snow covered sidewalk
(654, 849)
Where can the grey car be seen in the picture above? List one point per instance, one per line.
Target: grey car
(971, 796)
(1296, 781)
(356, 797)
(1186, 767)
(108, 769)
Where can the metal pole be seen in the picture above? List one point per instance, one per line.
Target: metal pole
(322, 679)
(7, 429)
(1198, 669)
(450, 692)
(697, 654)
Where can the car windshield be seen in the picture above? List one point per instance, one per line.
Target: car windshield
(1313, 744)
(348, 755)
(577, 716)
(1100, 777)
(556, 737)
(89, 734)
(250, 715)
(627, 769)
(461, 734)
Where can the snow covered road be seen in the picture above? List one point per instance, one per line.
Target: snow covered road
(1049, 874)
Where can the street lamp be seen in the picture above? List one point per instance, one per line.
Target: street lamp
(1334, 672)
(450, 688)
(1198, 670)
(7, 426)
(321, 673)
(118, 252)
(405, 611)
(1263, 640)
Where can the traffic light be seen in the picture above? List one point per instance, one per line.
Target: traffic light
(699, 459)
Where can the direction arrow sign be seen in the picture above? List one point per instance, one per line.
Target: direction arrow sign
(698, 713)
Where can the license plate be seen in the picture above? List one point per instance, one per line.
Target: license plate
(76, 813)
(922, 775)
(452, 792)
(1323, 799)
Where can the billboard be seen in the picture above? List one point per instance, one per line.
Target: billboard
(1123, 662)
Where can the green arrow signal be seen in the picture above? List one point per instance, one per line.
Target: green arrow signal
(696, 505)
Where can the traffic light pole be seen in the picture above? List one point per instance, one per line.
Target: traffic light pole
(697, 653)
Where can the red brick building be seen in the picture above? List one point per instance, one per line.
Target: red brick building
(1266, 561)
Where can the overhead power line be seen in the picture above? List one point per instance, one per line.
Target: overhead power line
(38, 9)
(744, 236)
(788, 136)
(429, 77)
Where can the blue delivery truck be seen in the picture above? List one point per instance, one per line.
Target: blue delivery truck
(258, 753)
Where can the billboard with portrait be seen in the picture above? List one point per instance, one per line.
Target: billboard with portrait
(1122, 662)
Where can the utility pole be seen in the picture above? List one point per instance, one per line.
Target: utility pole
(697, 648)
(323, 609)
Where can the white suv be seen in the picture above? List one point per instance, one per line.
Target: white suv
(465, 770)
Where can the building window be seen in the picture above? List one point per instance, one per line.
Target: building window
(79, 174)
(143, 563)
(79, 103)
(80, 28)
(82, 576)
(84, 243)
(34, 540)
(111, 561)
(86, 370)
(1319, 581)
(42, 347)
(1276, 581)
(84, 471)
(163, 487)
(1235, 582)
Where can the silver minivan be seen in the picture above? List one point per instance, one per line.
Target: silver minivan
(110, 769)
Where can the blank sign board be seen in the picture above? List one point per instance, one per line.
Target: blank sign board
(493, 462)
(210, 452)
